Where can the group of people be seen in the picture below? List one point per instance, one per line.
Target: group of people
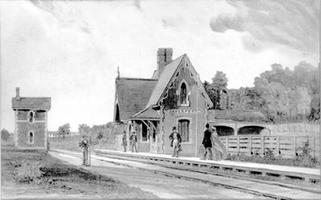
(212, 148)
(132, 141)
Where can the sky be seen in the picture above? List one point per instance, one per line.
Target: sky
(70, 50)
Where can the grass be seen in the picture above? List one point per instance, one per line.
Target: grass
(45, 174)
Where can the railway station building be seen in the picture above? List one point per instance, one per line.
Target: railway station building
(173, 96)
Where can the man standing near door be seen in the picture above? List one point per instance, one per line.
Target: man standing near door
(207, 142)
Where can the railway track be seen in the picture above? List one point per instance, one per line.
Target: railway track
(195, 175)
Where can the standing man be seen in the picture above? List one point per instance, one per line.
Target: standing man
(207, 142)
(84, 145)
(124, 143)
(133, 141)
(176, 140)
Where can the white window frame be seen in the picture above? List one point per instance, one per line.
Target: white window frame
(189, 129)
(187, 94)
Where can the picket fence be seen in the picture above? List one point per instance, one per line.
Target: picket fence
(285, 146)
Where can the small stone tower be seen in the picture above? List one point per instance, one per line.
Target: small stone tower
(31, 119)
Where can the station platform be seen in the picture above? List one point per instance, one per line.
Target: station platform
(311, 175)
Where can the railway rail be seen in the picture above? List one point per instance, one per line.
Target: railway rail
(176, 164)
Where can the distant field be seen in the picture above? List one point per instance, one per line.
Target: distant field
(69, 143)
(35, 174)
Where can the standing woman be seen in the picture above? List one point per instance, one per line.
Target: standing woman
(219, 149)
(207, 142)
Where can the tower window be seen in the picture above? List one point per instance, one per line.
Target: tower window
(30, 137)
(31, 116)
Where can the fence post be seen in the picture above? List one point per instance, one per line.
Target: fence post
(250, 144)
(294, 146)
(227, 145)
(278, 145)
(262, 145)
(313, 147)
(238, 144)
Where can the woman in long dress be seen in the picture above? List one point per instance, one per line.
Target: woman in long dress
(218, 148)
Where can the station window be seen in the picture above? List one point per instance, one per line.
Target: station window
(183, 129)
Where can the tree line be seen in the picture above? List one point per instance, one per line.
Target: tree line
(281, 93)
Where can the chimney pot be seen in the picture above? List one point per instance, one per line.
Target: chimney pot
(164, 56)
(17, 92)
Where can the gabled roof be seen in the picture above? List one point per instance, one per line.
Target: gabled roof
(132, 95)
(31, 103)
(163, 81)
(166, 76)
(147, 113)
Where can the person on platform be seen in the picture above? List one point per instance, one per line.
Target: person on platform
(124, 141)
(176, 141)
(133, 141)
(207, 143)
(219, 150)
(84, 145)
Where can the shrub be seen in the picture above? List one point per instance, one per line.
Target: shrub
(269, 155)
(28, 172)
(5, 135)
(304, 158)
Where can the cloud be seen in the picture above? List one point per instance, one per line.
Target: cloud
(292, 23)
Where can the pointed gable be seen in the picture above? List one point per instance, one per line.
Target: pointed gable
(132, 95)
(167, 75)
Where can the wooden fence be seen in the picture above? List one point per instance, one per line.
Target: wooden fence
(286, 146)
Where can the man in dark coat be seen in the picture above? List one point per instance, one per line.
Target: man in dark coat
(207, 142)
(176, 140)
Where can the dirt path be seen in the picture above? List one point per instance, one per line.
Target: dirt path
(158, 184)
(31, 174)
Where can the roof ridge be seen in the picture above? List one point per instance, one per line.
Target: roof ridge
(143, 79)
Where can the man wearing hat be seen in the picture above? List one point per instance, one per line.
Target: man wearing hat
(133, 141)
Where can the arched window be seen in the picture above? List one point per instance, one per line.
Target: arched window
(31, 116)
(183, 129)
(31, 137)
(183, 94)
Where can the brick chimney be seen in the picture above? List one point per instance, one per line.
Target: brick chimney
(17, 93)
(164, 56)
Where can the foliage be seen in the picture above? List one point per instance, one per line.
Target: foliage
(84, 129)
(170, 99)
(216, 89)
(28, 171)
(64, 130)
(269, 155)
(5, 135)
(281, 94)
(100, 135)
(304, 158)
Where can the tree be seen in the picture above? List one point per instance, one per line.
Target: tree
(64, 130)
(84, 129)
(5, 135)
(216, 89)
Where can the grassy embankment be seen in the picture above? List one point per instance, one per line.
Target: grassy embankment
(31, 174)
